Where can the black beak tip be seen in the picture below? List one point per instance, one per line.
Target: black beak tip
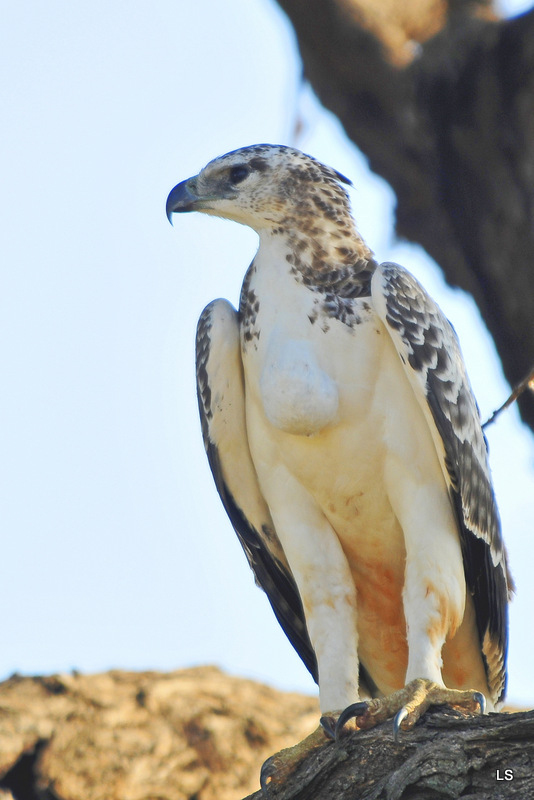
(180, 199)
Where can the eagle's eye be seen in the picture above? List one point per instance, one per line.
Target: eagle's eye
(238, 173)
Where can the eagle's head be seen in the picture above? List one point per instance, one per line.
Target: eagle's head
(264, 186)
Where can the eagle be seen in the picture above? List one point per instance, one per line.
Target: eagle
(346, 446)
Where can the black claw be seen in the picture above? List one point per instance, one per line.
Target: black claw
(354, 710)
(479, 698)
(267, 771)
(328, 724)
(397, 722)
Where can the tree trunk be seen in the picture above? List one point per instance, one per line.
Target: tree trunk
(439, 95)
(446, 756)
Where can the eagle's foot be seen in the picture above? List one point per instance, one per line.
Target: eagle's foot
(354, 714)
(407, 705)
(277, 768)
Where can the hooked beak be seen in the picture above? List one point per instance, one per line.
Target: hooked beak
(181, 198)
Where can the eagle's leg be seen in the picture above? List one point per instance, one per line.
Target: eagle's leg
(325, 584)
(407, 705)
(326, 587)
(434, 601)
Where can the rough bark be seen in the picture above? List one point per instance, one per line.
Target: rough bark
(446, 756)
(198, 734)
(439, 95)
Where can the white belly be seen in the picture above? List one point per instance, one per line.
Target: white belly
(318, 405)
(356, 394)
(297, 396)
(347, 465)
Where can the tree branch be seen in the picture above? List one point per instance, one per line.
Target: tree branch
(446, 756)
(440, 98)
(526, 383)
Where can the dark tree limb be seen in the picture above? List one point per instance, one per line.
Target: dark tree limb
(446, 756)
(440, 98)
(522, 386)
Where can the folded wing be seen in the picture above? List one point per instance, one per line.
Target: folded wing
(428, 348)
(221, 398)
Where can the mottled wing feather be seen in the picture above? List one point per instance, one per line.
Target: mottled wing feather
(221, 398)
(429, 349)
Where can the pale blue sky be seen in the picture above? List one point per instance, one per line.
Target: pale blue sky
(117, 552)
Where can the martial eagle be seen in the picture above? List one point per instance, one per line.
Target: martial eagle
(346, 445)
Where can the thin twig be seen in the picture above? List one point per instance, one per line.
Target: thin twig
(526, 383)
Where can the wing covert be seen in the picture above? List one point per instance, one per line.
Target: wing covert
(429, 350)
(221, 399)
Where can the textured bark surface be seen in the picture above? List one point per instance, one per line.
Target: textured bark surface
(446, 756)
(196, 734)
(439, 95)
